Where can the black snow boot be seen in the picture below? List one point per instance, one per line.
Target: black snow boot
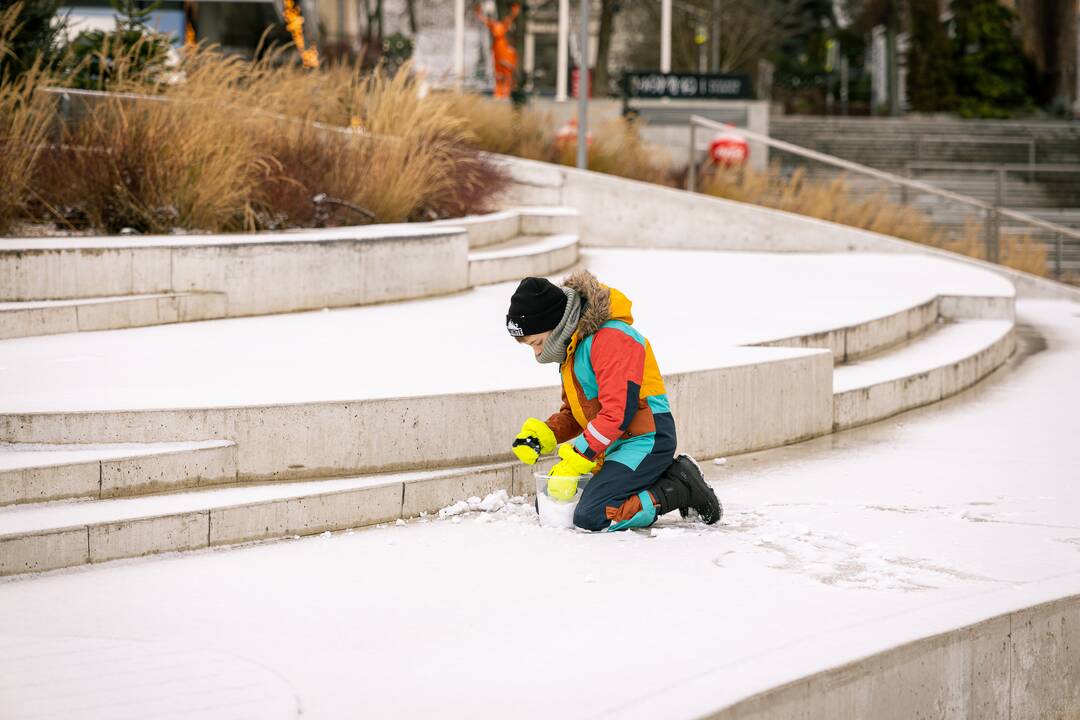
(683, 487)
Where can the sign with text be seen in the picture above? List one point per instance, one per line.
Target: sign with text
(686, 86)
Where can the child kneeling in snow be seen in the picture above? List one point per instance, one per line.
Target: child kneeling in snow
(615, 417)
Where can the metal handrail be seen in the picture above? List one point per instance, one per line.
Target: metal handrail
(977, 166)
(924, 138)
(993, 212)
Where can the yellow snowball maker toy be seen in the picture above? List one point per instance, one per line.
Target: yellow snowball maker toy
(562, 489)
(563, 479)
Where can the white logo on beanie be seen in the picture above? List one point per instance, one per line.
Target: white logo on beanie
(514, 329)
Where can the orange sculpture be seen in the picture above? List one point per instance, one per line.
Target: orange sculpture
(504, 56)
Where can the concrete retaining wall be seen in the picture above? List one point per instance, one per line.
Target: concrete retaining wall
(774, 397)
(616, 212)
(1022, 665)
(162, 279)
(256, 275)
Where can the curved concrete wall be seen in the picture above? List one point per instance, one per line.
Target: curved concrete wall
(257, 274)
(616, 212)
(774, 397)
(761, 397)
(1021, 665)
(61, 285)
(856, 341)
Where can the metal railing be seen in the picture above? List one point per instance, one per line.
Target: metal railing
(992, 212)
(999, 171)
(922, 140)
(1037, 168)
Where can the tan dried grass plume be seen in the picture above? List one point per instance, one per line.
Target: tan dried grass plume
(26, 120)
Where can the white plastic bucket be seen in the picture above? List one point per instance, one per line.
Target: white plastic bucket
(558, 510)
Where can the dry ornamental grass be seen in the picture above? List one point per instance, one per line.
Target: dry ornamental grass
(223, 144)
(26, 119)
(236, 145)
(833, 200)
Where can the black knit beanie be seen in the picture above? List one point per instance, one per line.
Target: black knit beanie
(535, 307)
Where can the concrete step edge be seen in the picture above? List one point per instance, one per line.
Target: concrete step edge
(44, 317)
(121, 474)
(868, 402)
(503, 225)
(895, 330)
(293, 509)
(523, 246)
(549, 255)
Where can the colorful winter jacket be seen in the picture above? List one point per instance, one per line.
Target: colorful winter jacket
(613, 395)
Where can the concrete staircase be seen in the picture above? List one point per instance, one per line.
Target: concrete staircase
(929, 368)
(890, 143)
(67, 504)
(914, 357)
(517, 243)
(79, 487)
(60, 285)
(49, 536)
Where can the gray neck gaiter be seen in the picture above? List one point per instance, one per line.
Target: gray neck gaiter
(556, 344)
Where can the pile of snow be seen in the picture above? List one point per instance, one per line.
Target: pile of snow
(496, 502)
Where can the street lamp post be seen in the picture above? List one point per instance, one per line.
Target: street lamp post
(459, 43)
(583, 87)
(715, 44)
(563, 49)
(665, 36)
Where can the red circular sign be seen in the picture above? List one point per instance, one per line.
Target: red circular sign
(728, 149)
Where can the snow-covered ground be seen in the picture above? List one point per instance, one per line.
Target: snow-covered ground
(458, 343)
(829, 550)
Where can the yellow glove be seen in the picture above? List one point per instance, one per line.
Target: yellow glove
(534, 440)
(573, 463)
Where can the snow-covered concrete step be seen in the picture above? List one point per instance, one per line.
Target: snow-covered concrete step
(549, 220)
(49, 317)
(935, 366)
(41, 472)
(48, 536)
(260, 273)
(505, 225)
(871, 337)
(523, 256)
(770, 396)
(851, 342)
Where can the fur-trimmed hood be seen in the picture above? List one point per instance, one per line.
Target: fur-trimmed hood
(602, 303)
